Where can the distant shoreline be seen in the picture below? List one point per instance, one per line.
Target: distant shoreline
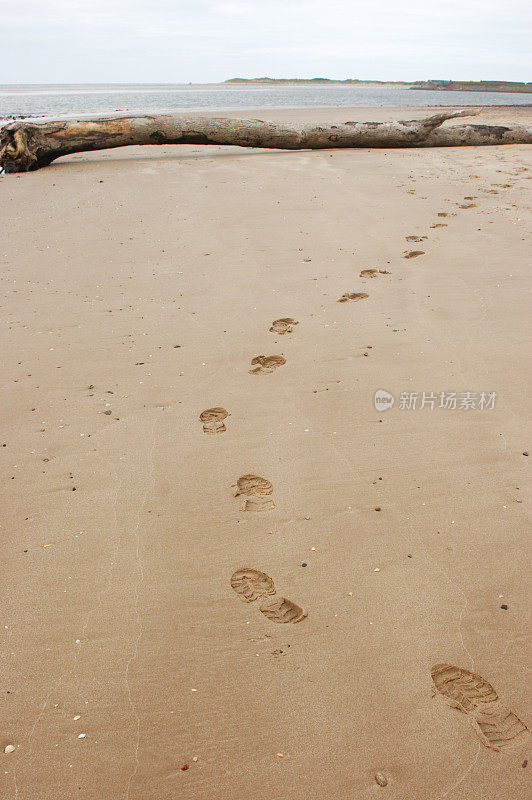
(432, 85)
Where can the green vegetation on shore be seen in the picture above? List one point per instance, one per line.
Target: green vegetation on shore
(434, 85)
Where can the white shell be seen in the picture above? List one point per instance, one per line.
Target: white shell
(381, 779)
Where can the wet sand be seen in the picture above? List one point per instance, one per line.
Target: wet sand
(137, 287)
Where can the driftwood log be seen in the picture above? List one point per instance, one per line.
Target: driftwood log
(28, 145)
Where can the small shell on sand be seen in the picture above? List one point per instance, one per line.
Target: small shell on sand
(9, 748)
(381, 779)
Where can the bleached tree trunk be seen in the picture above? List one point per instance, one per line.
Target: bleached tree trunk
(29, 145)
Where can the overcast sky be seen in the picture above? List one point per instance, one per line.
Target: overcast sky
(176, 41)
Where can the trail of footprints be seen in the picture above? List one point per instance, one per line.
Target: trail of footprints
(497, 727)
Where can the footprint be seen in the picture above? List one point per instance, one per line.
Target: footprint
(467, 205)
(251, 584)
(352, 296)
(443, 214)
(495, 725)
(213, 420)
(440, 225)
(501, 730)
(283, 325)
(415, 238)
(413, 253)
(371, 273)
(281, 610)
(462, 689)
(266, 364)
(257, 492)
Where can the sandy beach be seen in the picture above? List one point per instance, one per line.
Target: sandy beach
(138, 286)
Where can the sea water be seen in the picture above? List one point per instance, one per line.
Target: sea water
(97, 99)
